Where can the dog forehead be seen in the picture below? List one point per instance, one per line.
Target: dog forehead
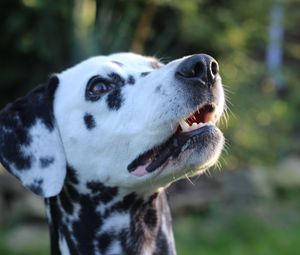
(134, 60)
(122, 63)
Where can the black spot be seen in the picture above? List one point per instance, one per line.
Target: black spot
(116, 79)
(51, 88)
(131, 80)
(143, 74)
(153, 197)
(150, 218)
(12, 154)
(114, 99)
(89, 121)
(102, 193)
(72, 192)
(66, 201)
(36, 187)
(86, 227)
(71, 175)
(46, 161)
(162, 247)
(14, 136)
(104, 241)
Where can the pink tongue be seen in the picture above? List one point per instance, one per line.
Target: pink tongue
(140, 170)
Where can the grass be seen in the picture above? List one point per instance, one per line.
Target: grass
(30, 251)
(39, 247)
(34, 250)
(275, 232)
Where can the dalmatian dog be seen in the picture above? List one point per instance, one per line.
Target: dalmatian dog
(101, 140)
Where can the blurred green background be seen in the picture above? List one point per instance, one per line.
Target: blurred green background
(252, 205)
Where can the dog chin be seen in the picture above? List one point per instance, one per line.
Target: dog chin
(197, 155)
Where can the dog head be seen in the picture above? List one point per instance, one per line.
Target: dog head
(124, 120)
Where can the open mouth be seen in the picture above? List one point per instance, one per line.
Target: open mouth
(196, 125)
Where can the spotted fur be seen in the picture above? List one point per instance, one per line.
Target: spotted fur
(25, 127)
(73, 139)
(80, 219)
(89, 121)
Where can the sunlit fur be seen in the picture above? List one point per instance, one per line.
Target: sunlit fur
(74, 150)
(144, 120)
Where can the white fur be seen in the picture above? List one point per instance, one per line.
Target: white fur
(145, 120)
(63, 246)
(113, 223)
(114, 248)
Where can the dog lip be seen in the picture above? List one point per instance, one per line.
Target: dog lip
(156, 157)
(175, 144)
(196, 124)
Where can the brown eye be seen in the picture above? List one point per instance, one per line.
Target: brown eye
(97, 86)
(100, 87)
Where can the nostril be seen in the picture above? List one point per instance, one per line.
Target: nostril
(199, 69)
(194, 71)
(214, 68)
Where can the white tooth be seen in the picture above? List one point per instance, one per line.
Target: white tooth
(197, 126)
(194, 126)
(184, 126)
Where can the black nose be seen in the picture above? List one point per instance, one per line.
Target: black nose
(198, 69)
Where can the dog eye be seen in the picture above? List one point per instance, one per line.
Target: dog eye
(98, 85)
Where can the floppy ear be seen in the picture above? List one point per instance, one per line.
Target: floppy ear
(30, 144)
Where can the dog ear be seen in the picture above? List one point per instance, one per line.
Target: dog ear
(30, 144)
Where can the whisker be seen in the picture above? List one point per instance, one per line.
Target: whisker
(207, 172)
(227, 89)
(187, 177)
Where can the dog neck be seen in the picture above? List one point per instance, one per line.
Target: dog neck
(104, 221)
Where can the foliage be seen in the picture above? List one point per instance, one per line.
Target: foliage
(39, 37)
(35, 37)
